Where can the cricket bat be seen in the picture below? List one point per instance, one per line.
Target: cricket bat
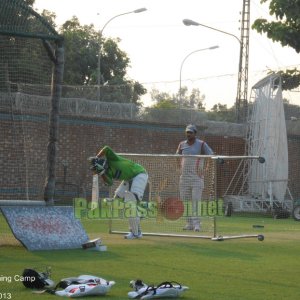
(95, 191)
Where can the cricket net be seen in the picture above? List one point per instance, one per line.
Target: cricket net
(164, 211)
(29, 46)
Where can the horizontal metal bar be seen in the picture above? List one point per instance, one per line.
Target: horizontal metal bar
(165, 234)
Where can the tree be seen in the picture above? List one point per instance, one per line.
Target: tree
(50, 17)
(181, 107)
(159, 97)
(24, 59)
(193, 100)
(286, 30)
(168, 104)
(81, 51)
(220, 112)
(81, 66)
(290, 79)
(168, 108)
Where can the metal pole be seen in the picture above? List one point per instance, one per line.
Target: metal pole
(100, 45)
(189, 22)
(209, 48)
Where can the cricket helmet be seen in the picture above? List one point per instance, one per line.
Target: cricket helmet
(36, 280)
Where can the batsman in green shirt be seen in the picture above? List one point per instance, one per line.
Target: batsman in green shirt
(134, 177)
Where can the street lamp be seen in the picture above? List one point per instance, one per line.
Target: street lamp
(242, 72)
(188, 22)
(209, 48)
(100, 36)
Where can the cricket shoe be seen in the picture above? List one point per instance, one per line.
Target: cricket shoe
(131, 236)
(197, 228)
(188, 227)
(196, 224)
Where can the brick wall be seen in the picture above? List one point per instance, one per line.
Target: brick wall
(23, 142)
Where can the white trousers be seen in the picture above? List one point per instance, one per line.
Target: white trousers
(191, 188)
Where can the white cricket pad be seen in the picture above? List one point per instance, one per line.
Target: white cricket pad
(135, 225)
(87, 285)
(129, 196)
(139, 184)
(121, 189)
(163, 290)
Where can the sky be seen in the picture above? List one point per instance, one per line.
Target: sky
(157, 43)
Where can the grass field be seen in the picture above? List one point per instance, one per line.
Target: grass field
(233, 269)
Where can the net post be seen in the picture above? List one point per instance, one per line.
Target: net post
(215, 226)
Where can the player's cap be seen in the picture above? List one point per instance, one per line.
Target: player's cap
(191, 128)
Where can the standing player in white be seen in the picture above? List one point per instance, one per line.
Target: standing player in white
(191, 182)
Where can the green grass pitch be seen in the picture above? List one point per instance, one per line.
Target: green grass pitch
(232, 269)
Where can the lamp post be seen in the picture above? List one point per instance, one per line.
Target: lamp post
(243, 71)
(100, 36)
(209, 48)
(188, 22)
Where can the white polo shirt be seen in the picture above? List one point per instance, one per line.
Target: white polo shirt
(192, 165)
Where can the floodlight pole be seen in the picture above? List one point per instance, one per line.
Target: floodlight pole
(100, 45)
